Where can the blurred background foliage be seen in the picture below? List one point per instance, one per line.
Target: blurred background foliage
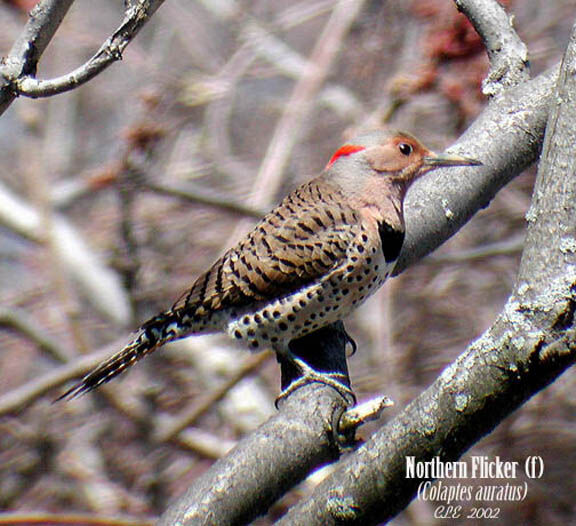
(116, 195)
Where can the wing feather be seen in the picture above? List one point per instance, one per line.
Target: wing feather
(302, 239)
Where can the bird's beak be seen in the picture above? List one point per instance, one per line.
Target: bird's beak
(436, 160)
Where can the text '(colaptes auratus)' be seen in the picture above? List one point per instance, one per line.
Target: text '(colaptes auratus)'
(317, 256)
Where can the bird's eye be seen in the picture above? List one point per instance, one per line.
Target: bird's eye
(405, 149)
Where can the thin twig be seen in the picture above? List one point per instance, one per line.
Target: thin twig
(20, 322)
(201, 197)
(202, 443)
(80, 519)
(502, 248)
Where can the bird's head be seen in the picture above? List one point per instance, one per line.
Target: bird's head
(392, 154)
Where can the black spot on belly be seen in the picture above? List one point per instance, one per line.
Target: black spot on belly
(391, 240)
(238, 335)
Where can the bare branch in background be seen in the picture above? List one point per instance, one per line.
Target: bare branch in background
(135, 17)
(168, 430)
(503, 248)
(20, 398)
(507, 53)
(21, 323)
(23, 58)
(300, 104)
(204, 198)
(99, 282)
(28, 519)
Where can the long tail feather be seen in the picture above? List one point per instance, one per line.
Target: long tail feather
(154, 333)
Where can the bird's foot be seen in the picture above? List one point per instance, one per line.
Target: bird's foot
(308, 375)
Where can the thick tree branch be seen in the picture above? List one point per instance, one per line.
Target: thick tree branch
(276, 457)
(507, 138)
(265, 464)
(507, 53)
(551, 238)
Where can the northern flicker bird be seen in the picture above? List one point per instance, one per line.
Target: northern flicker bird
(318, 255)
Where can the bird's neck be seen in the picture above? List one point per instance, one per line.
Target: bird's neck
(382, 202)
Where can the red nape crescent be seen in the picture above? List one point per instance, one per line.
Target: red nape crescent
(347, 149)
